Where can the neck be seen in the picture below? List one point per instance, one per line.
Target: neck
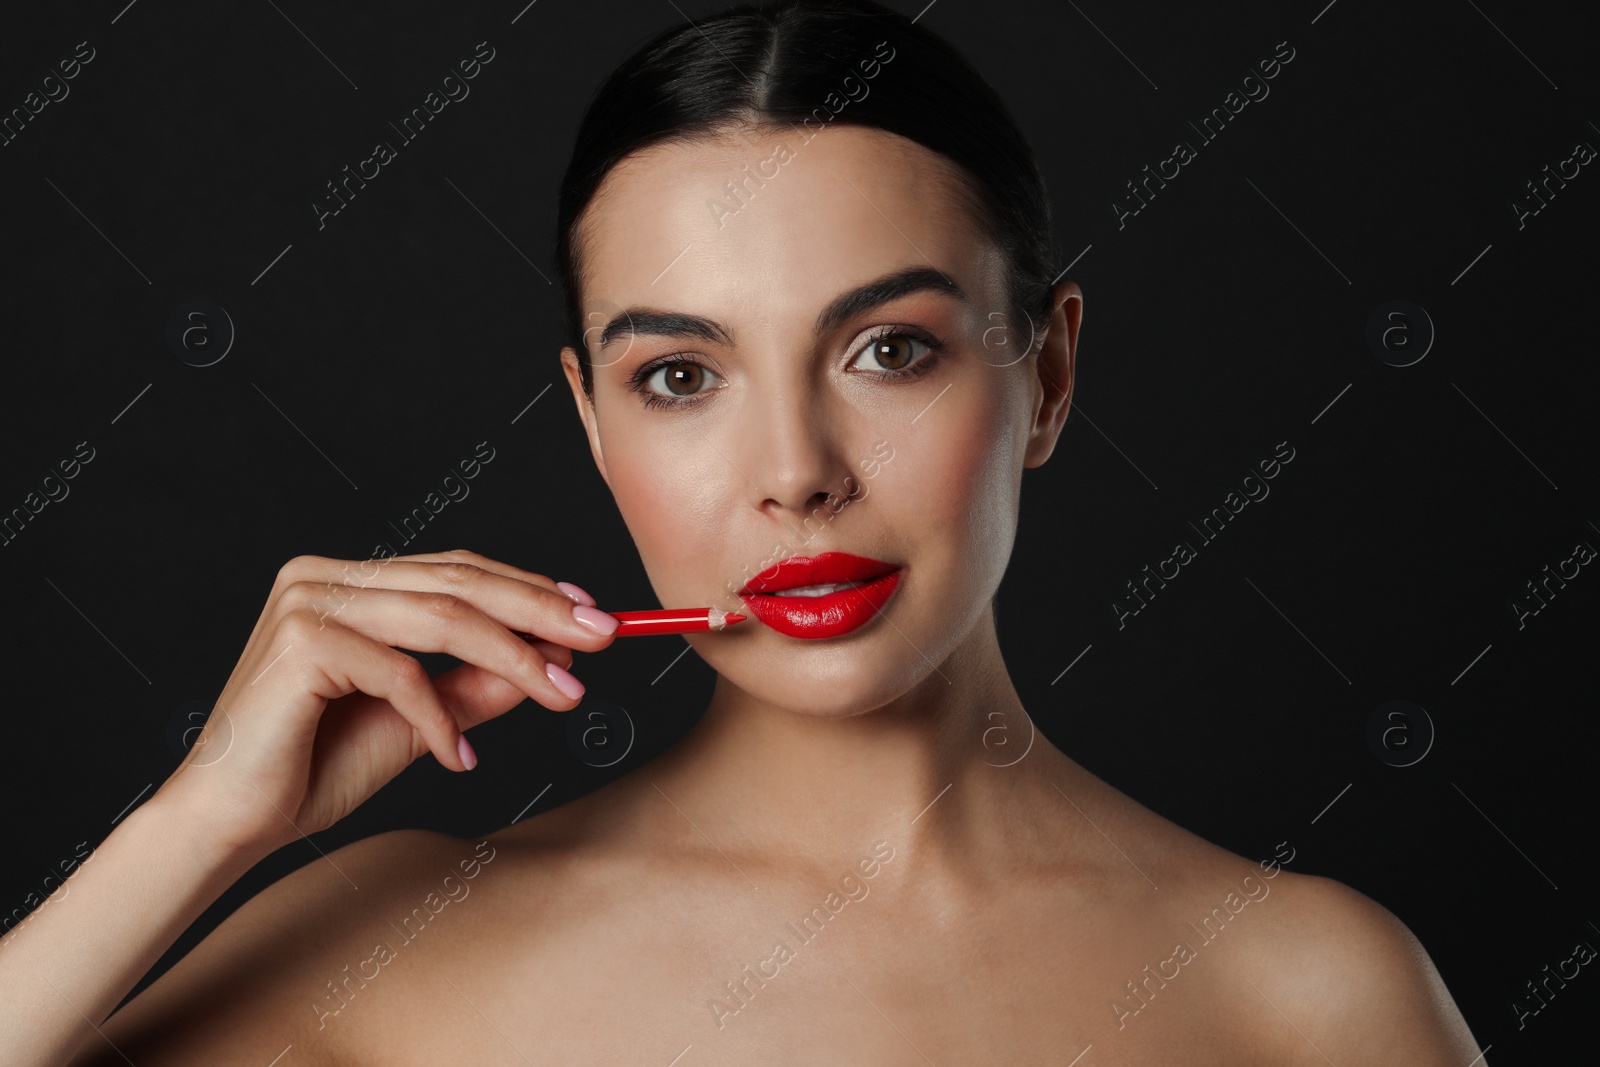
(935, 772)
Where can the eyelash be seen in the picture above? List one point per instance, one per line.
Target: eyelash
(652, 399)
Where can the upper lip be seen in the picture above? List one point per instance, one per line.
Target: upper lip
(826, 569)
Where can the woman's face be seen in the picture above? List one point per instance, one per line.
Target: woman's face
(894, 430)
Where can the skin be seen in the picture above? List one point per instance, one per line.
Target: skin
(1008, 906)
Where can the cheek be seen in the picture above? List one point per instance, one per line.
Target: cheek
(646, 495)
(669, 505)
(961, 478)
(645, 488)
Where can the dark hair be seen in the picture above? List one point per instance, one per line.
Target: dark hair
(760, 66)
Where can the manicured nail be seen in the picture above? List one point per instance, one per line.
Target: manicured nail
(595, 619)
(464, 750)
(564, 681)
(575, 593)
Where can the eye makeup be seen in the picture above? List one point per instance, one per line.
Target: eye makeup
(650, 398)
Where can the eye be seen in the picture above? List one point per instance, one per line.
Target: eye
(672, 382)
(892, 352)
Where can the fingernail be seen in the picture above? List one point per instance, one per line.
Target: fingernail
(575, 593)
(564, 681)
(464, 750)
(594, 619)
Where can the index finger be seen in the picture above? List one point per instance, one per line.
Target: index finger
(478, 559)
(522, 601)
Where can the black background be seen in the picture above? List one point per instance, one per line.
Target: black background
(1225, 317)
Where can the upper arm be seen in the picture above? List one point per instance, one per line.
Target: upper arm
(251, 988)
(1340, 978)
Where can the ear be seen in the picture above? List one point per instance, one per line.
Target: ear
(591, 426)
(1056, 367)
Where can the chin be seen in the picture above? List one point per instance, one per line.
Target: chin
(823, 682)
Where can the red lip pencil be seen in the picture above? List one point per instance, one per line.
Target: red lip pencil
(673, 621)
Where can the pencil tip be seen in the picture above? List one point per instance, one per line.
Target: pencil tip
(732, 618)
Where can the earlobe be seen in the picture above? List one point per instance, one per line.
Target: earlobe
(586, 412)
(1056, 367)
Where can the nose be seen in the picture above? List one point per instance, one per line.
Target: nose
(793, 460)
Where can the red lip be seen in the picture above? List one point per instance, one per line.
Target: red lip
(816, 570)
(821, 616)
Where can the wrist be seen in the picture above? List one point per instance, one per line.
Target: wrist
(203, 837)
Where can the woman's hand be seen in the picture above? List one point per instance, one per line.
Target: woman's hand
(323, 709)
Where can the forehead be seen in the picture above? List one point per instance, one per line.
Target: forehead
(773, 222)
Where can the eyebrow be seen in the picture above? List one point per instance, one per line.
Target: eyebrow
(639, 321)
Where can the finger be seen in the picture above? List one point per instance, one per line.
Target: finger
(518, 604)
(343, 661)
(462, 555)
(552, 652)
(322, 566)
(475, 695)
(444, 622)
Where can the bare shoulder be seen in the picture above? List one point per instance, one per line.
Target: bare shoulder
(1311, 969)
(286, 963)
(1335, 975)
(390, 949)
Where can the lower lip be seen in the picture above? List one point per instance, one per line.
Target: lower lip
(829, 615)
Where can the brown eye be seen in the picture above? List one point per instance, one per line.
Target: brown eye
(892, 353)
(676, 380)
(683, 379)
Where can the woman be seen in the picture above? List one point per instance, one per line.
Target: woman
(817, 336)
